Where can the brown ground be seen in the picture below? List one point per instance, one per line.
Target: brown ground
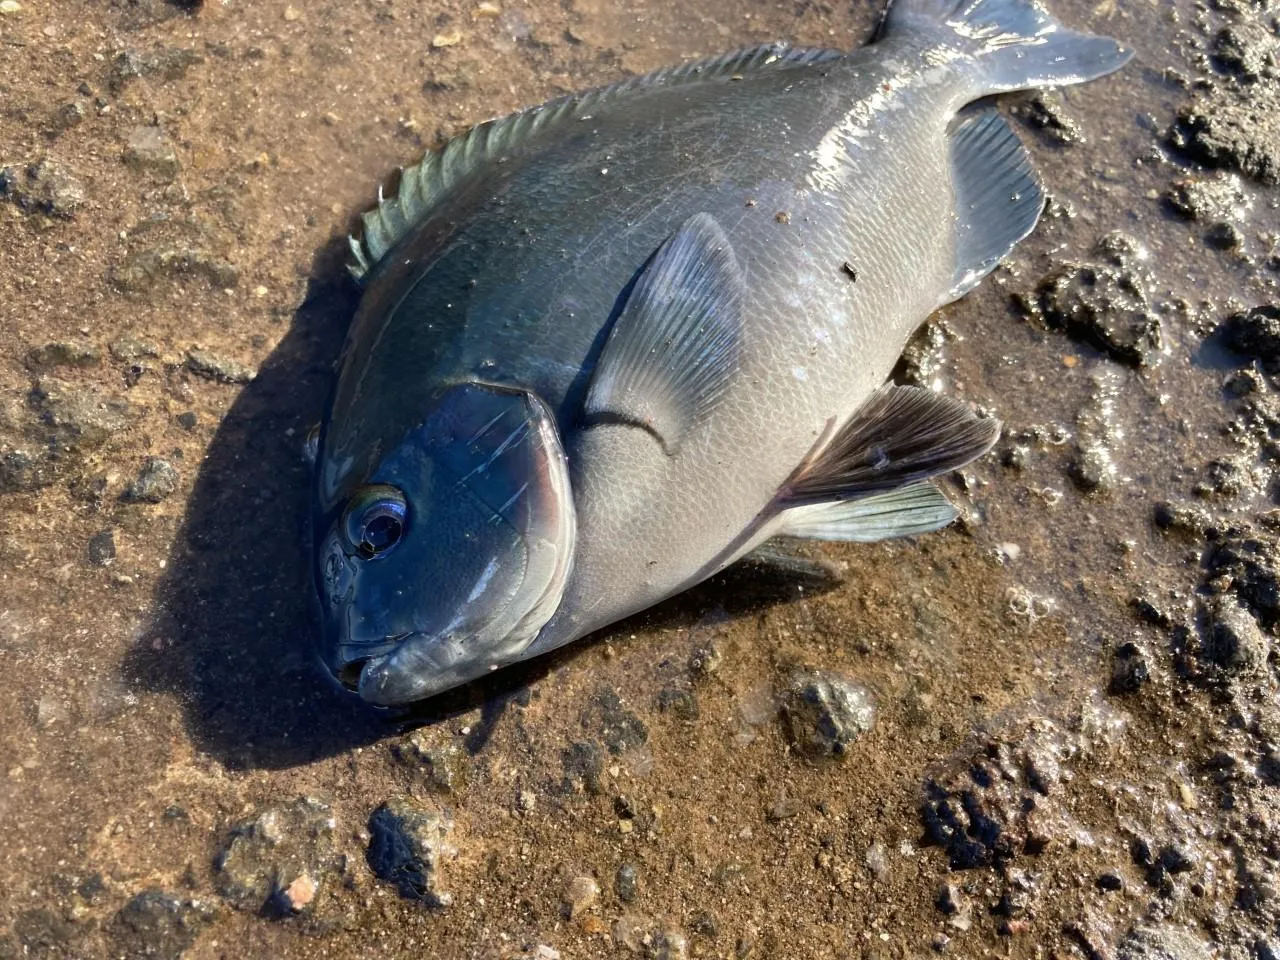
(175, 183)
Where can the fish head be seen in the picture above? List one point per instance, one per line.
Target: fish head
(453, 553)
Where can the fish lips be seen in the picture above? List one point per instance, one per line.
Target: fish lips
(405, 669)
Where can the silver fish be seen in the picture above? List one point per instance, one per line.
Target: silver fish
(610, 344)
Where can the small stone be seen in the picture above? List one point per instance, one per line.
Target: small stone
(406, 847)
(450, 39)
(8, 7)
(580, 896)
(78, 417)
(264, 856)
(824, 713)
(1046, 111)
(292, 14)
(102, 548)
(1161, 943)
(1129, 668)
(1255, 333)
(128, 350)
(442, 766)
(583, 768)
(187, 421)
(223, 370)
(1110, 882)
(1224, 236)
(142, 269)
(149, 151)
(620, 728)
(1234, 641)
(156, 481)
(1209, 199)
(627, 882)
(527, 801)
(298, 895)
(156, 923)
(46, 187)
(64, 353)
(704, 663)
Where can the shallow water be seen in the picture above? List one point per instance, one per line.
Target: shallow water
(160, 695)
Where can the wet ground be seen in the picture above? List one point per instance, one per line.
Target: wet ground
(1074, 749)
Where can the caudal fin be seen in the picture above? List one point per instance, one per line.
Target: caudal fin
(1016, 43)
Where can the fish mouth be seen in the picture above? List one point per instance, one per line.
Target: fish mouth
(403, 669)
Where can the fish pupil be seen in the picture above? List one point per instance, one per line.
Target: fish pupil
(381, 533)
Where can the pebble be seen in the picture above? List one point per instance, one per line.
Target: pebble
(627, 882)
(443, 767)
(46, 187)
(1234, 641)
(824, 713)
(63, 353)
(1130, 668)
(148, 150)
(406, 848)
(1255, 334)
(580, 895)
(8, 7)
(156, 481)
(220, 369)
(259, 867)
(156, 923)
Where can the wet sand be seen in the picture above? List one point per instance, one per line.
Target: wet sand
(1076, 745)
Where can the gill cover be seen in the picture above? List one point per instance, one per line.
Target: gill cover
(455, 553)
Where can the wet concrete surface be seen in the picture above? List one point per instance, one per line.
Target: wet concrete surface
(1074, 749)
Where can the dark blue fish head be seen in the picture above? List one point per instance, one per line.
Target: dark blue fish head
(452, 553)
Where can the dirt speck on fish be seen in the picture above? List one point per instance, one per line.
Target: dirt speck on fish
(567, 396)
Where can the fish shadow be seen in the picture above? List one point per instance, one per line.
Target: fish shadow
(233, 637)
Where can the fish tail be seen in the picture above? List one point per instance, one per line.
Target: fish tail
(1016, 44)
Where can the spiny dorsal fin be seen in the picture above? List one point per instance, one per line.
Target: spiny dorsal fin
(900, 436)
(998, 198)
(439, 170)
(905, 512)
(675, 345)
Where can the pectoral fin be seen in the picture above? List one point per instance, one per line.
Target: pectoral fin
(900, 436)
(919, 508)
(675, 346)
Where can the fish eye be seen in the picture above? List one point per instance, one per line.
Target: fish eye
(375, 521)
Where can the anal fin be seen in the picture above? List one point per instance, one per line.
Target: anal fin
(998, 197)
(905, 512)
(900, 436)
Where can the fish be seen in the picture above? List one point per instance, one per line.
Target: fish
(609, 345)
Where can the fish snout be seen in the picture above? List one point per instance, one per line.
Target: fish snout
(403, 669)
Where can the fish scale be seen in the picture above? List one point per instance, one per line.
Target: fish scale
(694, 285)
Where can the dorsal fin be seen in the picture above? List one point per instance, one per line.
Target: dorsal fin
(439, 170)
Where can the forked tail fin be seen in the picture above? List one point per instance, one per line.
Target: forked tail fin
(1015, 43)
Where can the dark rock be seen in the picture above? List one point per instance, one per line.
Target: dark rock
(64, 353)
(1130, 668)
(1250, 562)
(78, 417)
(102, 548)
(1255, 333)
(406, 847)
(1103, 303)
(223, 370)
(1046, 112)
(583, 768)
(681, 704)
(1233, 640)
(619, 728)
(23, 472)
(266, 856)
(1161, 943)
(187, 420)
(156, 481)
(46, 187)
(1110, 882)
(148, 150)
(627, 882)
(1246, 48)
(1237, 130)
(1189, 521)
(43, 933)
(824, 713)
(1224, 236)
(159, 924)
